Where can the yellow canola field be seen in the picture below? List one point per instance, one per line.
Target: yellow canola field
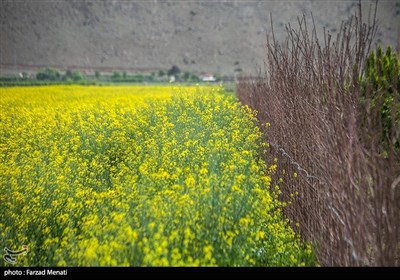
(137, 176)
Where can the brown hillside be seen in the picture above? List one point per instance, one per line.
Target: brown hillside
(216, 37)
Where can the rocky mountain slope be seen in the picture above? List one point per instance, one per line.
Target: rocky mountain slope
(212, 36)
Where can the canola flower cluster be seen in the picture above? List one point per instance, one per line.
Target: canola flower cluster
(138, 176)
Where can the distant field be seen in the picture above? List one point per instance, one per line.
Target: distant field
(138, 176)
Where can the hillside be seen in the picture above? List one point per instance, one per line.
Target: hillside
(218, 37)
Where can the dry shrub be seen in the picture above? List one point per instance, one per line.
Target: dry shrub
(348, 183)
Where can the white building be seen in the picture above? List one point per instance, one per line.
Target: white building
(207, 77)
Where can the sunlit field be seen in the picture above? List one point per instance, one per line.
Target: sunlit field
(138, 176)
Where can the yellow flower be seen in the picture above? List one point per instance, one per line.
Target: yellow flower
(236, 189)
(208, 250)
(260, 235)
(139, 176)
(190, 181)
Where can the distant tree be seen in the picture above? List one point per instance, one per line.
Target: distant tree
(161, 73)
(218, 78)
(97, 74)
(124, 75)
(24, 75)
(116, 76)
(48, 74)
(138, 78)
(194, 78)
(67, 76)
(186, 76)
(77, 76)
(68, 73)
(173, 71)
